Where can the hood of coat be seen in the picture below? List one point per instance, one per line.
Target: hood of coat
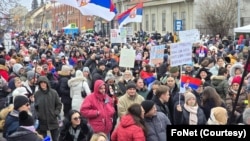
(2, 67)
(75, 81)
(43, 79)
(98, 84)
(234, 67)
(16, 68)
(215, 80)
(127, 121)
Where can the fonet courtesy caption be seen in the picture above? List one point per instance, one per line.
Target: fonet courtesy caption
(238, 132)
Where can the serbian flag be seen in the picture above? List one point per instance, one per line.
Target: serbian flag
(133, 14)
(190, 82)
(101, 8)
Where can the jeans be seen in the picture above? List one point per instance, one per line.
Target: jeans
(54, 134)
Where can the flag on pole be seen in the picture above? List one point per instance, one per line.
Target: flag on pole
(101, 8)
(133, 14)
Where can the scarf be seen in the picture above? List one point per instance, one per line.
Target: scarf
(193, 119)
(74, 133)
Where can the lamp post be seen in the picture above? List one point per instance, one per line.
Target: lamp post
(238, 17)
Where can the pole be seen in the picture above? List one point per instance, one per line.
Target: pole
(232, 117)
(238, 17)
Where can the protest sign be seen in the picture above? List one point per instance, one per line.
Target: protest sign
(127, 58)
(191, 36)
(156, 54)
(180, 53)
(115, 36)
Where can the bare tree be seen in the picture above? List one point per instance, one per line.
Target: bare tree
(5, 5)
(218, 15)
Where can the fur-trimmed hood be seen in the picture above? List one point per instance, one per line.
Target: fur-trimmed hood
(2, 67)
(217, 79)
(233, 68)
(75, 81)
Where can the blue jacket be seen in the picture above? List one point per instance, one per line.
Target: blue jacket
(11, 124)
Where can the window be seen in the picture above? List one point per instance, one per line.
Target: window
(163, 21)
(174, 18)
(183, 18)
(147, 26)
(153, 22)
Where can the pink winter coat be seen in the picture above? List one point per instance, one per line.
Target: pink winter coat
(98, 109)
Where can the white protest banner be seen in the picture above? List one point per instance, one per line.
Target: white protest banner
(191, 36)
(115, 36)
(180, 53)
(123, 32)
(127, 58)
(156, 54)
(130, 31)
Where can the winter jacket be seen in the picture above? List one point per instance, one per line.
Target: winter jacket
(125, 101)
(85, 133)
(23, 134)
(4, 72)
(221, 85)
(48, 106)
(182, 118)
(162, 107)
(99, 109)
(157, 127)
(11, 123)
(64, 90)
(76, 85)
(127, 130)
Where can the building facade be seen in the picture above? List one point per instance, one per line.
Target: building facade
(64, 15)
(160, 15)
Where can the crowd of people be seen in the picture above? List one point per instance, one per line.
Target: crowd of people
(74, 87)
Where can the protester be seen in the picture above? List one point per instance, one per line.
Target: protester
(98, 108)
(156, 122)
(26, 130)
(218, 116)
(78, 86)
(129, 98)
(48, 107)
(99, 137)
(131, 127)
(21, 103)
(75, 128)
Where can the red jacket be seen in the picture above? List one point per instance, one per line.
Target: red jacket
(99, 103)
(4, 72)
(127, 130)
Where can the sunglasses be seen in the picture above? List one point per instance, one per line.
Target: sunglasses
(76, 118)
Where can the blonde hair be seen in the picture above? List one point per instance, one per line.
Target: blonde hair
(95, 136)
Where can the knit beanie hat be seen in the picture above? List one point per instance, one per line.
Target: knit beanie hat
(30, 75)
(188, 96)
(218, 116)
(25, 119)
(85, 69)
(236, 79)
(131, 85)
(147, 105)
(19, 101)
(109, 76)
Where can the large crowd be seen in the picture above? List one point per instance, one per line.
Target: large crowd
(74, 87)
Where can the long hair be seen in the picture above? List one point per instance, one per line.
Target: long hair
(135, 111)
(210, 93)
